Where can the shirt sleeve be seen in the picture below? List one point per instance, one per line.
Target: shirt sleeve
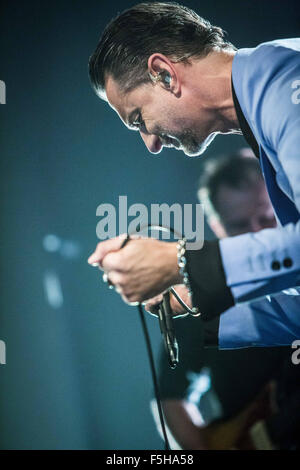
(272, 321)
(266, 262)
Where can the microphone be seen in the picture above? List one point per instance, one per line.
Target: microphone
(164, 313)
(165, 317)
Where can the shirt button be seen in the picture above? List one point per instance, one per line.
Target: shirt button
(275, 265)
(287, 262)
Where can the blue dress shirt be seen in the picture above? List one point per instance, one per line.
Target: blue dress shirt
(266, 80)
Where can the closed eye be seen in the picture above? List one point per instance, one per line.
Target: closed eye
(139, 123)
(134, 120)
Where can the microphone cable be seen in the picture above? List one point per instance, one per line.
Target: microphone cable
(154, 376)
(148, 342)
(152, 366)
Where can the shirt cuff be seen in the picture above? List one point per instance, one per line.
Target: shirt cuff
(211, 333)
(207, 280)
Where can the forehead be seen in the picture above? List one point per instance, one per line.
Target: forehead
(126, 102)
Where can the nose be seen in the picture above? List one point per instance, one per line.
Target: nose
(152, 142)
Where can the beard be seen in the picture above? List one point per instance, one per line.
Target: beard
(192, 146)
(187, 141)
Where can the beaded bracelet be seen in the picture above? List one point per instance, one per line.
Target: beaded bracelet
(181, 260)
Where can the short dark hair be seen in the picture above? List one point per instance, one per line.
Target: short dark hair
(237, 171)
(129, 40)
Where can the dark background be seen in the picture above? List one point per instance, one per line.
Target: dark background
(77, 374)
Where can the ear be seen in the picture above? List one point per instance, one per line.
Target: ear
(164, 72)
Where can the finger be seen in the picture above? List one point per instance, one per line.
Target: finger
(103, 248)
(151, 304)
(150, 308)
(118, 289)
(136, 236)
(128, 301)
(155, 300)
(112, 261)
(153, 310)
(116, 278)
(108, 281)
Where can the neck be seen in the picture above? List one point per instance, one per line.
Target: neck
(213, 80)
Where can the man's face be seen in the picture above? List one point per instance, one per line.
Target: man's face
(244, 210)
(163, 119)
